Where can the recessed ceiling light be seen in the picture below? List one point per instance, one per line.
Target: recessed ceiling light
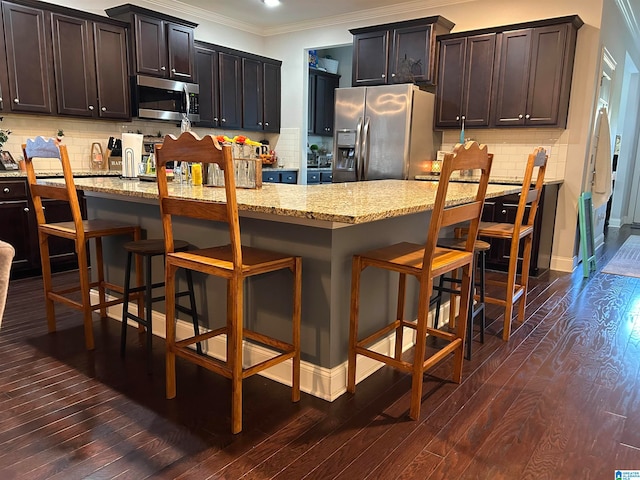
(271, 3)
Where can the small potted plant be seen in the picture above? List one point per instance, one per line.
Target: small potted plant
(59, 136)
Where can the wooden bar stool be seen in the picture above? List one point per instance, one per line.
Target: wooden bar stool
(520, 235)
(476, 301)
(78, 230)
(147, 249)
(233, 262)
(425, 262)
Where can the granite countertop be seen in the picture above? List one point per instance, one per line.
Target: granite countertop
(345, 203)
(498, 180)
(58, 173)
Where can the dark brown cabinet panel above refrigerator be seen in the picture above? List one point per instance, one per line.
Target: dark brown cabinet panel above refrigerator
(402, 52)
(515, 75)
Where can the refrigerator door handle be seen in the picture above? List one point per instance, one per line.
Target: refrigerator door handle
(358, 149)
(364, 166)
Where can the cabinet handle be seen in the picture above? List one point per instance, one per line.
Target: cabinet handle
(16, 100)
(504, 212)
(6, 190)
(520, 116)
(90, 107)
(26, 209)
(527, 116)
(383, 75)
(104, 109)
(163, 68)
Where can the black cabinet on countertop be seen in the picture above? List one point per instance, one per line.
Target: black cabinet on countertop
(20, 228)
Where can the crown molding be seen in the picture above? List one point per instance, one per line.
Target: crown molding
(630, 18)
(410, 9)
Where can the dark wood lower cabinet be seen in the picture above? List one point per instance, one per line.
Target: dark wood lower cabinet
(21, 231)
(503, 209)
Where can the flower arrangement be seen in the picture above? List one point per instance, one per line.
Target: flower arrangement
(4, 136)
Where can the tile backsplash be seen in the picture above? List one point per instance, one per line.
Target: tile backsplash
(510, 148)
(79, 134)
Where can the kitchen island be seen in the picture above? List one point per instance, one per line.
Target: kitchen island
(325, 224)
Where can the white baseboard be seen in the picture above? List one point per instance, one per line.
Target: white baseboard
(325, 383)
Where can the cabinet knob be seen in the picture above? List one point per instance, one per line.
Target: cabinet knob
(173, 70)
(215, 119)
(90, 107)
(393, 75)
(527, 116)
(104, 109)
(6, 190)
(16, 100)
(0, 99)
(163, 68)
(504, 212)
(26, 209)
(520, 116)
(464, 117)
(224, 120)
(266, 124)
(260, 123)
(457, 117)
(383, 75)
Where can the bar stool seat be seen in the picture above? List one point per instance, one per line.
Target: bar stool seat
(476, 308)
(148, 249)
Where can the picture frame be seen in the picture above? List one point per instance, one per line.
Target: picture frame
(7, 162)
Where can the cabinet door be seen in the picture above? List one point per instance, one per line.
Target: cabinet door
(478, 77)
(16, 231)
(311, 107)
(29, 63)
(512, 78)
(74, 66)
(151, 51)
(112, 72)
(272, 97)
(324, 104)
(252, 94)
(411, 55)
(230, 82)
(370, 58)
(4, 78)
(450, 83)
(180, 50)
(545, 77)
(207, 74)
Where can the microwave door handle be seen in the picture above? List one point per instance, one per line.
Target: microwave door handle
(187, 100)
(365, 150)
(358, 148)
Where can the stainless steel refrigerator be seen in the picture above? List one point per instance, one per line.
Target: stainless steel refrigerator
(383, 132)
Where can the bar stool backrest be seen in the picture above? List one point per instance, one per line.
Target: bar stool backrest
(188, 147)
(41, 147)
(471, 155)
(531, 190)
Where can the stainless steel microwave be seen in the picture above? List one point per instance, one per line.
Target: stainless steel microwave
(162, 99)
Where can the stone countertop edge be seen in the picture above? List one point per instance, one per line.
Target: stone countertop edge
(348, 203)
(498, 180)
(59, 174)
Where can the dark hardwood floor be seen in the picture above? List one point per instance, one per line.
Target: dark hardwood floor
(560, 400)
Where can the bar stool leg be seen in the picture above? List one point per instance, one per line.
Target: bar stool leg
(482, 259)
(125, 306)
(194, 312)
(148, 300)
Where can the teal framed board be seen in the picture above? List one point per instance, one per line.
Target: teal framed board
(585, 215)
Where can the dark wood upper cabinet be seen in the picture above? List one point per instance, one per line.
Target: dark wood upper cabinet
(162, 46)
(230, 84)
(532, 80)
(206, 62)
(112, 73)
(402, 52)
(90, 60)
(322, 96)
(27, 36)
(4, 78)
(238, 90)
(465, 73)
(260, 95)
(513, 75)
